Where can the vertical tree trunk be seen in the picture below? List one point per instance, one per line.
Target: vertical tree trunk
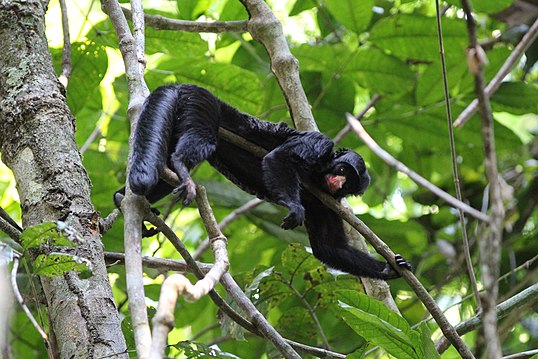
(37, 143)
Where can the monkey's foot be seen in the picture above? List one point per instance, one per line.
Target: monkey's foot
(186, 191)
(149, 232)
(402, 262)
(390, 273)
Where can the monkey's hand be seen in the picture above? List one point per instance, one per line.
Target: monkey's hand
(186, 191)
(294, 218)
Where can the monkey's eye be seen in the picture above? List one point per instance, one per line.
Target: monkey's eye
(340, 170)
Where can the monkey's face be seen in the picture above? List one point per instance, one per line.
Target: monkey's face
(347, 174)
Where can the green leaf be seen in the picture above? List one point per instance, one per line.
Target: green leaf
(232, 84)
(372, 68)
(232, 11)
(354, 15)
(198, 350)
(192, 9)
(427, 343)
(166, 41)
(430, 86)
(379, 72)
(255, 284)
(372, 320)
(57, 264)
(414, 37)
(296, 259)
(90, 63)
(302, 5)
(516, 97)
(486, 6)
(46, 232)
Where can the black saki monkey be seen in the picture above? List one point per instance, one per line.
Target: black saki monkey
(179, 128)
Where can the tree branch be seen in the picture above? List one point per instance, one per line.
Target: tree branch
(171, 264)
(503, 309)
(132, 206)
(522, 46)
(163, 321)
(379, 246)
(163, 23)
(266, 29)
(391, 161)
(66, 52)
(490, 243)
(453, 157)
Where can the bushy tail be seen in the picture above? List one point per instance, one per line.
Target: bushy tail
(152, 138)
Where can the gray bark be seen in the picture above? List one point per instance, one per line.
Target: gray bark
(37, 143)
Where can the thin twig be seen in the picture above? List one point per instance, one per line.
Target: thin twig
(490, 243)
(465, 240)
(347, 128)
(66, 52)
(391, 161)
(12, 229)
(311, 312)
(253, 203)
(522, 355)
(526, 41)
(164, 23)
(19, 298)
(526, 296)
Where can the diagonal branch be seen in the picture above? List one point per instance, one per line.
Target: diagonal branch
(391, 161)
(376, 242)
(526, 41)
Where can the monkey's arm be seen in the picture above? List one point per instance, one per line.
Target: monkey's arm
(330, 245)
(285, 166)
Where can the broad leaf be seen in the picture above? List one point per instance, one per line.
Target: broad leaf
(44, 233)
(57, 264)
(413, 37)
(372, 320)
(354, 15)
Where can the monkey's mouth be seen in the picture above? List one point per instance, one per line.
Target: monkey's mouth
(335, 183)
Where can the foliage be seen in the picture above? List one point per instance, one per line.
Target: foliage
(51, 236)
(348, 51)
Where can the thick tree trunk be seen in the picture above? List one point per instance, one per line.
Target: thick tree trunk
(37, 143)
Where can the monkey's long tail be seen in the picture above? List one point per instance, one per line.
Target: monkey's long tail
(152, 138)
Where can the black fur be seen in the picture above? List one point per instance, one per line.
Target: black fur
(178, 126)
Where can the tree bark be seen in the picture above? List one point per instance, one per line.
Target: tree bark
(37, 143)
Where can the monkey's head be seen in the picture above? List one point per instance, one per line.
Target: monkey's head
(347, 174)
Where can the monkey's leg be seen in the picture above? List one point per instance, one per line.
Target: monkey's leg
(193, 147)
